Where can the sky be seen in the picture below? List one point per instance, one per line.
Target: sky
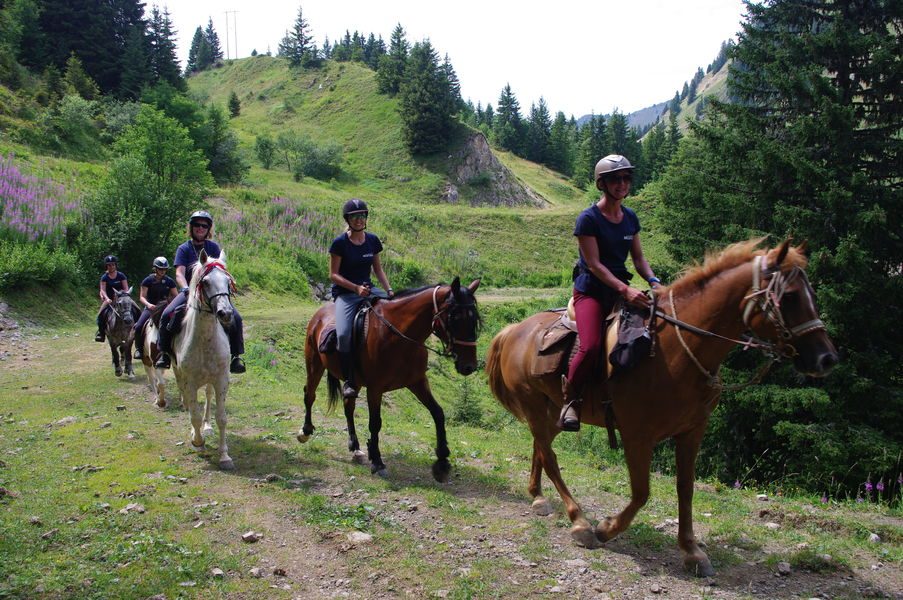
(582, 57)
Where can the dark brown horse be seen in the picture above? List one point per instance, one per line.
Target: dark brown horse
(394, 356)
(672, 394)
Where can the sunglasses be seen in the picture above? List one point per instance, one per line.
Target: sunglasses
(201, 225)
(361, 215)
(619, 179)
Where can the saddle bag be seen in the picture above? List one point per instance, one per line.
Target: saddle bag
(634, 339)
(554, 346)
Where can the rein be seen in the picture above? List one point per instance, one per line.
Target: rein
(768, 301)
(199, 289)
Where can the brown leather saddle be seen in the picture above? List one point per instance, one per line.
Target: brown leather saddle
(329, 341)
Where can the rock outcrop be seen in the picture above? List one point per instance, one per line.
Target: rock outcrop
(476, 176)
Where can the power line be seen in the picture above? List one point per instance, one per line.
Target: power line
(234, 31)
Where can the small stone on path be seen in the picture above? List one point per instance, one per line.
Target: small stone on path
(217, 573)
(251, 537)
(359, 537)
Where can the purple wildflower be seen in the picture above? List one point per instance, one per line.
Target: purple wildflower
(880, 485)
(824, 498)
(273, 362)
(858, 498)
(737, 484)
(868, 485)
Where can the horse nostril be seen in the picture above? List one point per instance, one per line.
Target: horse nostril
(827, 361)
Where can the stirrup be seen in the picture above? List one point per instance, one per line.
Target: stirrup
(138, 355)
(570, 416)
(99, 337)
(237, 365)
(163, 362)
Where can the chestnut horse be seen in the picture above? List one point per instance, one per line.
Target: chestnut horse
(672, 394)
(394, 356)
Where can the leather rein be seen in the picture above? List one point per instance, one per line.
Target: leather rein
(767, 300)
(439, 328)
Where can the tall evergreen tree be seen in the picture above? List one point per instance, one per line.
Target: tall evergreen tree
(164, 63)
(390, 72)
(811, 148)
(135, 69)
(426, 102)
(214, 48)
(454, 85)
(591, 146)
(194, 52)
(561, 146)
(298, 44)
(507, 126)
(76, 81)
(539, 130)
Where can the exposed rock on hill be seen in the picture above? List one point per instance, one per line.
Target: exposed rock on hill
(476, 176)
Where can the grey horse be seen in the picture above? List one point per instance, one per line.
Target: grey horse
(120, 320)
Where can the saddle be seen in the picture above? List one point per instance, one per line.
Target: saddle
(329, 341)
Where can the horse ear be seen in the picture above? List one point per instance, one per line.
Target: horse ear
(456, 285)
(222, 256)
(129, 291)
(782, 254)
(474, 285)
(803, 248)
(202, 257)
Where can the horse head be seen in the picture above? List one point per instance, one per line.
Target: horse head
(457, 323)
(213, 286)
(122, 306)
(781, 307)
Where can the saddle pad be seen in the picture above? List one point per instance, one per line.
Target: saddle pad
(554, 345)
(328, 341)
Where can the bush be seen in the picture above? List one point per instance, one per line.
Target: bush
(25, 263)
(319, 162)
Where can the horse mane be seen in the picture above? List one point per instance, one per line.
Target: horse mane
(695, 277)
(196, 274)
(412, 291)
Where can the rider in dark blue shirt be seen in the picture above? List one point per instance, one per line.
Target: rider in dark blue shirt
(156, 288)
(352, 256)
(200, 230)
(109, 282)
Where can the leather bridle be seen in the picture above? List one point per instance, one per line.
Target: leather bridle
(202, 298)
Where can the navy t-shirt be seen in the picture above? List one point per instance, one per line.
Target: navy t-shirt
(187, 255)
(157, 291)
(114, 283)
(613, 240)
(357, 261)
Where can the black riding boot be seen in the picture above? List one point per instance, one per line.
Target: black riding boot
(164, 344)
(101, 334)
(346, 361)
(570, 412)
(139, 345)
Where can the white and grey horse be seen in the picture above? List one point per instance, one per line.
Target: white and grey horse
(120, 319)
(155, 376)
(201, 350)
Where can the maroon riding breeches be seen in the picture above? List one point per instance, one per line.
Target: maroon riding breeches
(590, 317)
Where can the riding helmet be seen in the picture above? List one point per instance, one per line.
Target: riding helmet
(611, 164)
(354, 206)
(110, 259)
(161, 263)
(201, 214)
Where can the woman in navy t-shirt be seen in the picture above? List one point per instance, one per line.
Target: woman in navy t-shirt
(110, 281)
(352, 256)
(606, 233)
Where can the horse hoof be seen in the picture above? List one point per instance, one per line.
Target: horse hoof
(699, 566)
(161, 403)
(198, 448)
(441, 470)
(542, 507)
(302, 437)
(206, 431)
(118, 372)
(358, 457)
(227, 465)
(603, 530)
(379, 470)
(585, 536)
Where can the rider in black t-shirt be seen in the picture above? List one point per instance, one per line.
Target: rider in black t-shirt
(156, 288)
(112, 280)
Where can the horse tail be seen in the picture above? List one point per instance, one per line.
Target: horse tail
(494, 367)
(335, 391)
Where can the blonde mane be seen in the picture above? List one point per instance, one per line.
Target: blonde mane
(697, 276)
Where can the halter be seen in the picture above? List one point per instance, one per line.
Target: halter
(768, 302)
(201, 298)
(438, 327)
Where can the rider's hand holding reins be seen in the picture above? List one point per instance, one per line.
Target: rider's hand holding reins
(635, 297)
(363, 290)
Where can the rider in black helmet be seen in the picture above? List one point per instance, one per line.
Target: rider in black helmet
(112, 280)
(352, 256)
(200, 230)
(156, 288)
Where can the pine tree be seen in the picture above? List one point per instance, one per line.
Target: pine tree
(164, 64)
(135, 68)
(592, 145)
(390, 72)
(215, 51)
(454, 86)
(561, 146)
(507, 125)
(191, 66)
(539, 130)
(810, 148)
(426, 102)
(234, 105)
(298, 45)
(76, 81)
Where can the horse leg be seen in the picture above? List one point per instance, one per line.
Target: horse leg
(374, 404)
(639, 458)
(581, 529)
(225, 461)
(315, 368)
(129, 369)
(441, 468)
(209, 393)
(354, 446)
(160, 387)
(190, 398)
(114, 350)
(685, 451)
(541, 505)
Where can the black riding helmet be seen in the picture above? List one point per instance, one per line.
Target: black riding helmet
(200, 215)
(354, 206)
(110, 259)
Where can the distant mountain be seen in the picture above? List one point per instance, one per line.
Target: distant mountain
(640, 119)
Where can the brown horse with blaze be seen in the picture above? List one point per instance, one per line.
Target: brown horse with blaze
(673, 393)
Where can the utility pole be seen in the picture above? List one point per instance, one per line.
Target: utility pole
(235, 31)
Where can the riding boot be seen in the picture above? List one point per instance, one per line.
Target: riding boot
(164, 344)
(101, 334)
(237, 365)
(570, 412)
(139, 346)
(346, 361)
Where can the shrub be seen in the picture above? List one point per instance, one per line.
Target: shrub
(23, 263)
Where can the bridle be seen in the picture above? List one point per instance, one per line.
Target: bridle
(439, 327)
(201, 298)
(766, 300)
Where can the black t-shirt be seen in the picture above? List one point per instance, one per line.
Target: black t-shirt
(157, 291)
(357, 260)
(613, 240)
(114, 283)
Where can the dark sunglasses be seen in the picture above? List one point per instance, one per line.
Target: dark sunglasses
(619, 179)
(201, 225)
(360, 215)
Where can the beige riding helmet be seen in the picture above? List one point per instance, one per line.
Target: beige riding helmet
(611, 164)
